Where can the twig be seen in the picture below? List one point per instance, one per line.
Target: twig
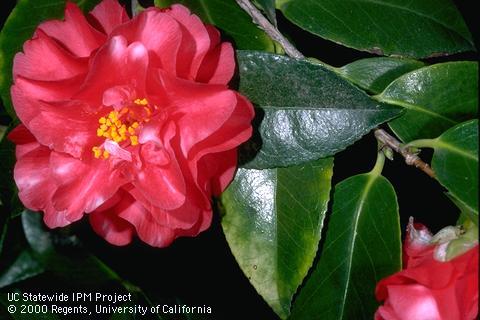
(266, 26)
(381, 135)
(410, 158)
(134, 7)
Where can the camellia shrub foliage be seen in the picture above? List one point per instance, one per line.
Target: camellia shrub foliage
(130, 130)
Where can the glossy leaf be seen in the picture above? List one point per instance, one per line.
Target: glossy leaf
(69, 264)
(7, 156)
(39, 239)
(228, 16)
(4, 152)
(304, 111)
(273, 220)
(3, 228)
(455, 161)
(435, 98)
(416, 29)
(18, 28)
(63, 255)
(3, 131)
(25, 266)
(466, 213)
(375, 74)
(362, 246)
(10, 205)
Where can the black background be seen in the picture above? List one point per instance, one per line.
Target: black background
(202, 271)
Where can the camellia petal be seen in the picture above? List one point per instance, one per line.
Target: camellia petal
(115, 230)
(82, 187)
(159, 33)
(202, 109)
(427, 288)
(106, 220)
(177, 219)
(45, 59)
(230, 134)
(161, 171)
(109, 14)
(75, 33)
(24, 140)
(105, 72)
(218, 65)
(215, 175)
(127, 120)
(147, 228)
(195, 41)
(68, 131)
(32, 175)
(26, 93)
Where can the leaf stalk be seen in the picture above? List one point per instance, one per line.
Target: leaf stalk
(377, 169)
(410, 158)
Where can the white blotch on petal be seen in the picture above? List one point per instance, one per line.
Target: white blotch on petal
(115, 150)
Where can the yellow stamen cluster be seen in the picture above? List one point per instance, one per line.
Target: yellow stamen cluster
(142, 102)
(99, 153)
(113, 128)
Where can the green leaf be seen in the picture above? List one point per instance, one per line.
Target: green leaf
(268, 6)
(63, 254)
(306, 111)
(18, 28)
(228, 16)
(4, 229)
(416, 29)
(375, 74)
(25, 266)
(273, 222)
(435, 98)
(467, 240)
(3, 131)
(466, 213)
(69, 264)
(362, 246)
(7, 186)
(39, 239)
(10, 205)
(455, 161)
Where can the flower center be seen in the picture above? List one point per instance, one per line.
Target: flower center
(121, 126)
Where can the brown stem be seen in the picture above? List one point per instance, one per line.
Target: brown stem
(134, 7)
(381, 135)
(270, 29)
(410, 158)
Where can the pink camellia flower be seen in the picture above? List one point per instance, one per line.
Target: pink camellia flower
(428, 289)
(127, 120)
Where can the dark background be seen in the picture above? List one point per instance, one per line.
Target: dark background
(202, 271)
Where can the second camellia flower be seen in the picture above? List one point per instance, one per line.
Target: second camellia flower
(431, 286)
(128, 120)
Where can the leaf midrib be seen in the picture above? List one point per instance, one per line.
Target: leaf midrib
(446, 146)
(418, 108)
(276, 279)
(276, 253)
(205, 10)
(368, 186)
